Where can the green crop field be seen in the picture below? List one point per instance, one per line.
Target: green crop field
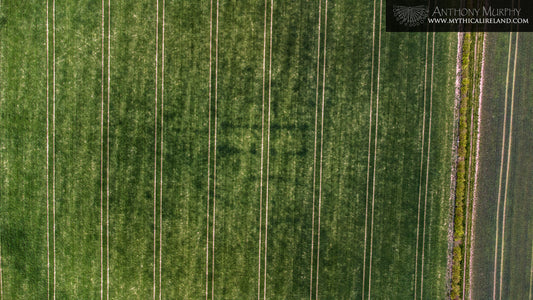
(224, 149)
(502, 255)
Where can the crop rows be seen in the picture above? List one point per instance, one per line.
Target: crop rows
(222, 149)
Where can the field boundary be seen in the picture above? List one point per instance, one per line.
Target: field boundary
(453, 162)
(469, 74)
(469, 180)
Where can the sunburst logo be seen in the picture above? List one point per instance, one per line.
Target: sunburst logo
(410, 16)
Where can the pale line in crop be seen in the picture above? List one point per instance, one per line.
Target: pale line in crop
(501, 168)
(262, 152)
(508, 162)
(468, 200)
(161, 154)
(421, 163)
(208, 154)
(314, 154)
(47, 157)
(427, 166)
(215, 158)
(369, 145)
(155, 136)
(47, 164)
(321, 146)
(54, 137)
(102, 167)
(375, 152)
(107, 154)
(268, 146)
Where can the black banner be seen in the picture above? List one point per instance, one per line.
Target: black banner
(457, 15)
